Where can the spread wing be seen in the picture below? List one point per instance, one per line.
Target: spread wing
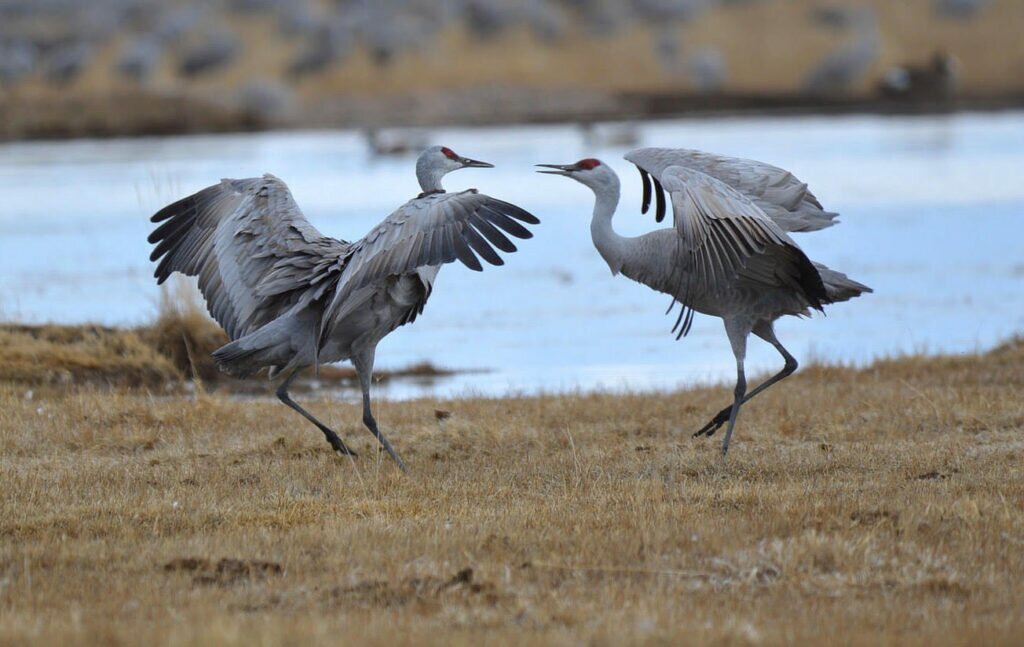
(432, 230)
(727, 241)
(253, 251)
(777, 192)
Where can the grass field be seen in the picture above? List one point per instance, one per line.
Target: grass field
(856, 507)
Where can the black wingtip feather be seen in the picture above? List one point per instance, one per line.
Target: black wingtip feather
(659, 194)
(810, 282)
(645, 204)
(465, 254)
(480, 246)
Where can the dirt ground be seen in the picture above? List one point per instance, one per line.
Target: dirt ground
(880, 505)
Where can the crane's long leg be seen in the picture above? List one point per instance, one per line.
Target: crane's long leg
(363, 362)
(332, 438)
(738, 339)
(766, 332)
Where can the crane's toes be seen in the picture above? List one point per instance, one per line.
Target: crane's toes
(713, 425)
(338, 446)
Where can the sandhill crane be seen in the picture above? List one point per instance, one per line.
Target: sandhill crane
(936, 79)
(290, 297)
(727, 255)
(707, 69)
(138, 58)
(959, 9)
(847, 64)
(217, 50)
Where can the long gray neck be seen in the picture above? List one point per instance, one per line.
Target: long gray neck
(429, 176)
(609, 244)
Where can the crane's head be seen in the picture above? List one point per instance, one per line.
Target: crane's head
(437, 161)
(591, 172)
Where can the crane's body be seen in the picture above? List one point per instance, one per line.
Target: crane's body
(726, 255)
(290, 297)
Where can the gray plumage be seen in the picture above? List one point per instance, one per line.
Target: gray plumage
(778, 193)
(290, 297)
(725, 255)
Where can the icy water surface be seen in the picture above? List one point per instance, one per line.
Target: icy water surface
(932, 217)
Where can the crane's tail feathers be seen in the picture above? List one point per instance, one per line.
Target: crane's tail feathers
(237, 359)
(838, 286)
(284, 343)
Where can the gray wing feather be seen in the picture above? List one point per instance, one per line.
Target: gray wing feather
(253, 251)
(777, 192)
(432, 230)
(726, 240)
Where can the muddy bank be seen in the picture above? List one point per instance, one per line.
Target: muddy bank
(135, 114)
(171, 355)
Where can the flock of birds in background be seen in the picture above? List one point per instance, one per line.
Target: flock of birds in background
(190, 35)
(291, 298)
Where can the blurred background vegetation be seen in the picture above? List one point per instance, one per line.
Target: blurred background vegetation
(111, 67)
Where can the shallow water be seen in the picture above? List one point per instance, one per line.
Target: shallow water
(932, 217)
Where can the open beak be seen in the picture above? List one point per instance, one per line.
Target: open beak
(468, 163)
(560, 169)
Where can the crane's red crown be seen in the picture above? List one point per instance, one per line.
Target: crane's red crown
(587, 164)
(449, 153)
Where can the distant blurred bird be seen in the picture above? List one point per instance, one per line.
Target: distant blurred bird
(609, 135)
(660, 11)
(602, 17)
(667, 48)
(487, 18)
(545, 21)
(216, 50)
(138, 58)
(725, 256)
(290, 297)
(172, 24)
(330, 44)
(17, 60)
(707, 70)
(846, 65)
(936, 79)
(267, 101)
(959, 9)
(67, 61)
(395, 141)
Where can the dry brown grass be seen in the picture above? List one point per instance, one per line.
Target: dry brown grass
(61, 356)
(164, 355)
(858, 506)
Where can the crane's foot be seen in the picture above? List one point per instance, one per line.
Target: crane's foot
(713, 425)
(337, 444)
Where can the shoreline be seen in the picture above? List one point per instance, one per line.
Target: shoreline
(171, 115)
(172, 356)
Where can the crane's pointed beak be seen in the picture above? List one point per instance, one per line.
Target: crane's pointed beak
(468, 163)
(560, 169)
